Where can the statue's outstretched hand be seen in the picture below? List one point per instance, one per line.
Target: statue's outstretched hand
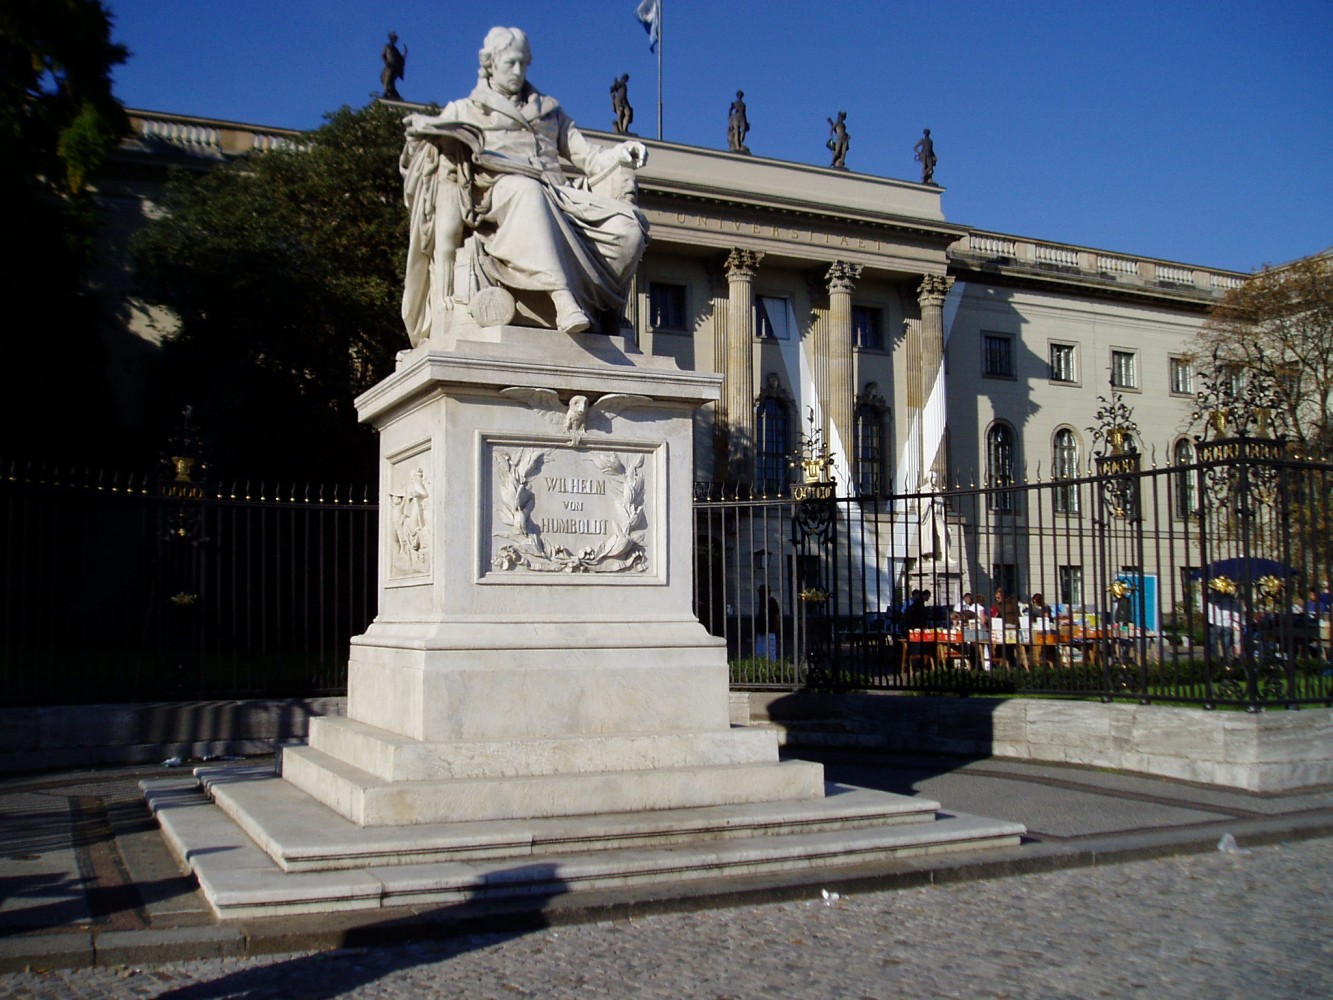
(634, 154)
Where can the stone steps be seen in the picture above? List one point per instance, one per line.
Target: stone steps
(261, 847)
(372, 801)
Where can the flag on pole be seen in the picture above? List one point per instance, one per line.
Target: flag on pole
(650, 16)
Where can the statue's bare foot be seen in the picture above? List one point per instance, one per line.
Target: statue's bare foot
(569, 318)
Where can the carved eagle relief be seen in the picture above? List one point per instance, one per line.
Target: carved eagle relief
(578, 415)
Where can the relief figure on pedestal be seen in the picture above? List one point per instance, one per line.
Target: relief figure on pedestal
(490, 204)
(409, 510)
(573, 417)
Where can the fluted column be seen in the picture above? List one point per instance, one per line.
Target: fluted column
(738, 376)
(930, 298)
(842, 278)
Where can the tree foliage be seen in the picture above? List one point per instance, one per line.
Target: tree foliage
(58, 124)
(1276, 330)
(285, 272)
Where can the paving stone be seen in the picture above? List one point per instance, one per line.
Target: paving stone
(1216, 926)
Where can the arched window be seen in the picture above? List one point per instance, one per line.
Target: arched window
(1187, 495)
(869, 451)
(1064, 465)
(870, 456)
(1000, 466)
(773, 451)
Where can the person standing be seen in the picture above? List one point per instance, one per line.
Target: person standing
(767, 623)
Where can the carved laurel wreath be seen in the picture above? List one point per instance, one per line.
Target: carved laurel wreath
(621, 551)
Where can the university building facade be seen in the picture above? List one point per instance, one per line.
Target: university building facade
(925, 354)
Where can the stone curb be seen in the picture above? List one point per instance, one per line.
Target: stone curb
(81, 949)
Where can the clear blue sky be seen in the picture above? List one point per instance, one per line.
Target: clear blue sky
(1187, 130)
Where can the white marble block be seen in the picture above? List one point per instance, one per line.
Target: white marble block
(536, 652)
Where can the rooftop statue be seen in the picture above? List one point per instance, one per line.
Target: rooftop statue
(620, 104)
(925, 152)
(497, 228)
(394, 64)
(839, 141)
(738, 125)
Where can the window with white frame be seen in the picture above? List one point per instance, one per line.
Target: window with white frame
(1000, 466)
(1064, 465)
(997, 359)
(1187, 487)
(1182, 376)
(1125, 369)
(1063, 358)
(1071, 585)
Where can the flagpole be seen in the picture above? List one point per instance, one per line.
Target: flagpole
(660, 5)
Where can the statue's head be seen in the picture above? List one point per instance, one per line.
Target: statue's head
(504, 59)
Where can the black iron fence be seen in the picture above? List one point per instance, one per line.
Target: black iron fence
(129, 588)
(1204, 582)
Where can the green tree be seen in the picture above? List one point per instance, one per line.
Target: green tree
(1265, 358)
(285, 273)
(58, 124)
(1275, 331)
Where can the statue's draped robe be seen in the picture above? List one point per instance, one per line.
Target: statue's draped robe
(538, 232)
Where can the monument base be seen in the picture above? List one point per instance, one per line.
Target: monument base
(535, 708)
(460, 781)
(262, 848)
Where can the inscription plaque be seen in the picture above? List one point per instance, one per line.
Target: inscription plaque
(569, 510)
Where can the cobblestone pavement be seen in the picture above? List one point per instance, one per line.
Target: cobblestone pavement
(1253, 924)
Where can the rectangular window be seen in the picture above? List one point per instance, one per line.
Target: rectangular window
(998, 356)
(1071, 585)
(1182, 377)
(1062, 363)
(1124, 369)
(771, 318)
(866, 327)
(666, 306)
(1005, 577)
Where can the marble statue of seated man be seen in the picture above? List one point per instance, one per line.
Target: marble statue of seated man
(557, 251)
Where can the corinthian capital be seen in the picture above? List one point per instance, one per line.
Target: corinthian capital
(842, 276)
(933, 289)
(742, 263)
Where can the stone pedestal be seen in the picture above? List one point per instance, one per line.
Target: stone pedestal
(535, 709)
(535, 634)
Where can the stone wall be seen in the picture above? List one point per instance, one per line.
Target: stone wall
(35, 739)
(1271, 751)
(1266, 752)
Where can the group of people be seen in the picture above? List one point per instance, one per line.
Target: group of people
(972, 612)
(1005, 611)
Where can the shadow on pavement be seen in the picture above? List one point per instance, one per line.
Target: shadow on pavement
(364, 957)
